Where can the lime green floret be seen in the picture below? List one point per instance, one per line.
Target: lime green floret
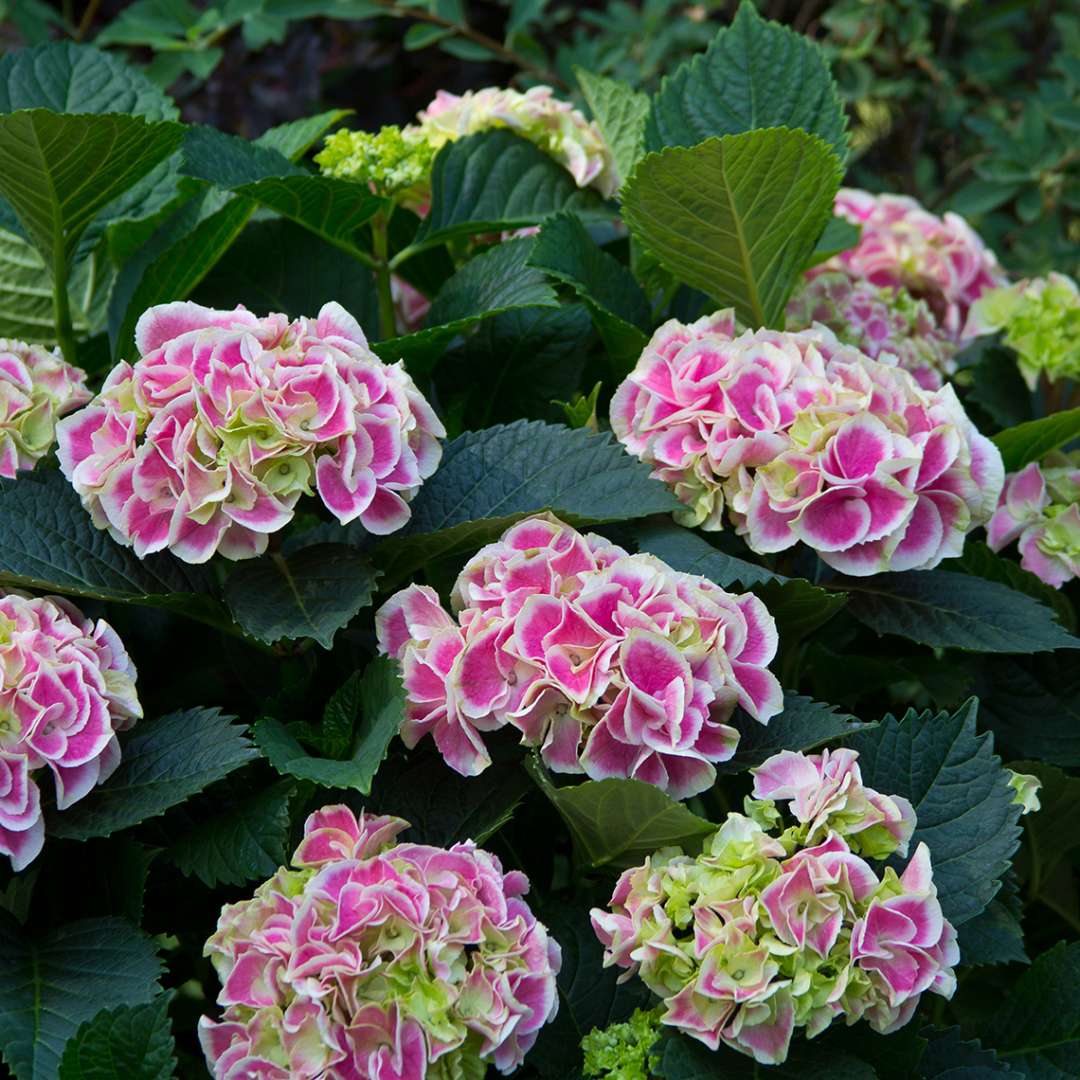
(391, 161)
(624, 1051)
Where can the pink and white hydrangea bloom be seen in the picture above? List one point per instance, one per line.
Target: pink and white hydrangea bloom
(940, 260)
(209, 440)
(68, 688)
(801, 438)
(1040, 507)
(373, 959)
(881, 321)
(766, 931)
(612, 664)
(555, 126)
(37, 387)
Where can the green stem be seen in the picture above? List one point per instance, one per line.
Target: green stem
(65, 333)
(380, 243)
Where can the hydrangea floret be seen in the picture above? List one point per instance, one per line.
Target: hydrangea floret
(1026, 790)
(612, 664)
(1040, 508)
(373, 959)
(1040, 319)
(879, 320)
(771, 929)
(37, 387)
(798, 437)
(940, 260)
(209, 440)
(68, 688)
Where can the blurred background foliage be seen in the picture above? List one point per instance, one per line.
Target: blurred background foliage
(968, 106)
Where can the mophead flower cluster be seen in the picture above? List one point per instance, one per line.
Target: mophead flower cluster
(67, 688)
(879, 320)
(1040, 319)
(398, 161)
(1040, 507)
(37, 387)
(772, 929)
(940, 260)
(612, 664)
(801, 438)
(208, 441)
(378, 960)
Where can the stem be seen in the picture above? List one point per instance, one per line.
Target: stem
(87, 19)
(381, 245)
(489, 43)
(65, 333)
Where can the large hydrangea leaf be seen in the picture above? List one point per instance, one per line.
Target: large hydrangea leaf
(50, 985)
(961, 795)
(736, 217)
(755, 74)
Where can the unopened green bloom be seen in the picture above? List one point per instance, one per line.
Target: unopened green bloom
(624, 1051)
(393, 161)
(1040, 319)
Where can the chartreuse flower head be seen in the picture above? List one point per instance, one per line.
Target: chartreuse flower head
(379, 960)
(624, 1051)
(1040, 507)
(395, 162)
(611, 664)
(772, 929)
(1040, 319)
(37, 387)
(228, 419)
(67, 688)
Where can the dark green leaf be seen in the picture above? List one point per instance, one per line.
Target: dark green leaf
(165, 761)
(755, 74)
(949, 1056)
(497, 281)
(58, 171)
(50, 985)
(683, 549)
(488, 479)
(48, 542)
(244, 842)
(620, 822)
(1030, 441)
(497, 180)
(227, 161)
(1036, 1031)
(565, 251)
(804, 724)
(620, 112)
(279, 266)
(736, 217)
(311, 593)
(995, 935)
(839, 235)
(515, 365)
(443, 807)
(999, 388)
(382, 711)
(946, 610)
(124, 1043)
(979, 560)
(1034, 706)
(70, 78)
(961, 795)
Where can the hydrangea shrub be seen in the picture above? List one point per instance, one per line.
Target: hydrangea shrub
(636, 508)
